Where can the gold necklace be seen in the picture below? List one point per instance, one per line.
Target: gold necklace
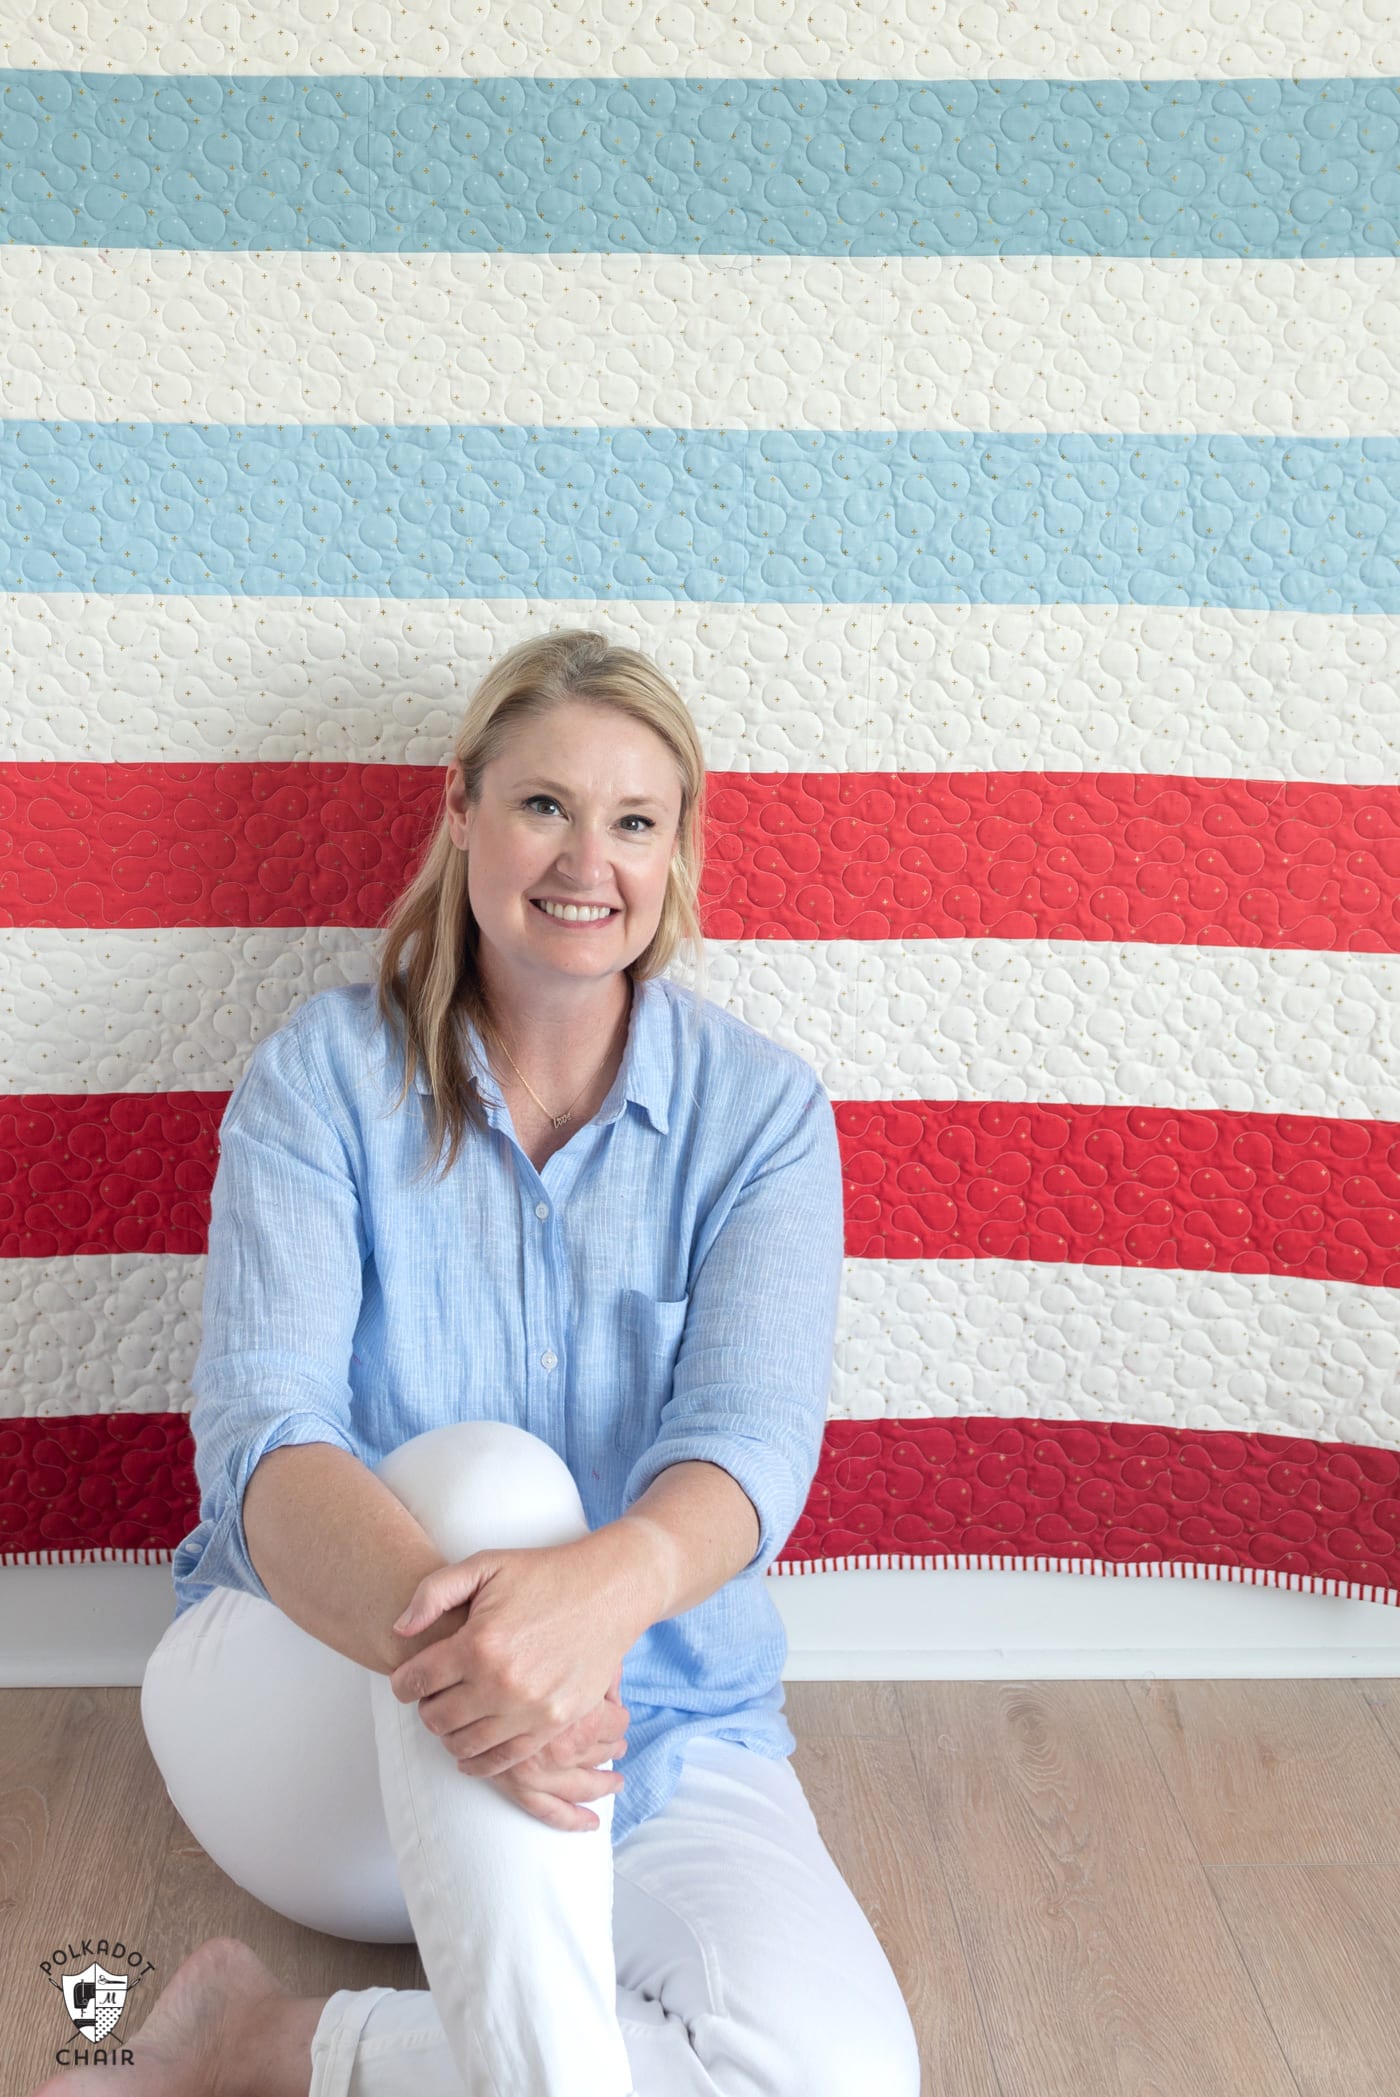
(558, 1120)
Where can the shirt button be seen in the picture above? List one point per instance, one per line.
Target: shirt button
(542, 1209)
(548, 1358)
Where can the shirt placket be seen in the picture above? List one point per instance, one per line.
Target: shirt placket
(546, 1304)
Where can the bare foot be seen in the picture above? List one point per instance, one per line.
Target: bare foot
(204, 2036)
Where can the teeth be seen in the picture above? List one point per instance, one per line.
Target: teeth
(571, 913)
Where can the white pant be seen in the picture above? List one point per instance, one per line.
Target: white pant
(717, 1952)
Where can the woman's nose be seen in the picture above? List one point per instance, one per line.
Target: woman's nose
(584, 862)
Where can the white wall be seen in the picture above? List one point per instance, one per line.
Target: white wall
(95, 1624)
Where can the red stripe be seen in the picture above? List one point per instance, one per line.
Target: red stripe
(1110, 1492)
(1294, 1194)
(831, 855)
(96, 1479)
(106, 1172)
(1104, 1490)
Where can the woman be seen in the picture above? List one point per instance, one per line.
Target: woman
(475, 1453)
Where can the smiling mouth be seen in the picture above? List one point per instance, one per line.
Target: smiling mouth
(537, 903)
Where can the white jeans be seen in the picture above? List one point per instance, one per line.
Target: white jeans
(717, 1952)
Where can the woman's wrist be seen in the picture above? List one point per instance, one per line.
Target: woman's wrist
(630, 1565)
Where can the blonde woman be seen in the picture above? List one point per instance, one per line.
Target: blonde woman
(484, 1439)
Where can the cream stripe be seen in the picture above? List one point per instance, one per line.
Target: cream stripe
(1076, 1021)
(1209, 691)
(916, 1340)
(820, 39)
(99, 1333)
(1245, 1353)
(1098, 344)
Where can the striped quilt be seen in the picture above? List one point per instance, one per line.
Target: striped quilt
(991, 421)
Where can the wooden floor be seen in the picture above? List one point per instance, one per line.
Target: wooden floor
(1163, 1889)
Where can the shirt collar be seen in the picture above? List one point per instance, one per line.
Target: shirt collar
(645, 1075)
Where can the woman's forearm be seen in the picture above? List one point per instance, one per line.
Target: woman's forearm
(339, 1553)
(701, 1528)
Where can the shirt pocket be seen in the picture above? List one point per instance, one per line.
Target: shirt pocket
(651, 1330)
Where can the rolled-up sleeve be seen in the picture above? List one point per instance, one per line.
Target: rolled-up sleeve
(752, 1378)
(282, 1296)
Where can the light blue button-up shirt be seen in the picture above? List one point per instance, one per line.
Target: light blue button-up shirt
(665, 1289)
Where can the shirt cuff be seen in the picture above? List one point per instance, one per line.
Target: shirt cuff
(754, 1465)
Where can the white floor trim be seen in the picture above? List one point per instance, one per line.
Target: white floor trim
(94, 1625)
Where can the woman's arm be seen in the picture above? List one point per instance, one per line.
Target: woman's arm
(339, 1553)
(691, 1531)
(746, 1413)
(283, 1290)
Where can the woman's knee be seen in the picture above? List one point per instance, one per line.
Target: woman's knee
(479, 1485)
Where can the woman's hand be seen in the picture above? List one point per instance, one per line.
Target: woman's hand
(551, 1784)
(545, 1636)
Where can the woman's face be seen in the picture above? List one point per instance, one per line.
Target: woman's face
(554, 822)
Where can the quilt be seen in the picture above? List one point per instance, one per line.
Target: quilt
(990, 418)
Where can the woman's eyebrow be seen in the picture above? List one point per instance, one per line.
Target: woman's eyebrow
(551, 786)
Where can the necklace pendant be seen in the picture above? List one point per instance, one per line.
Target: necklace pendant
(560, 1119)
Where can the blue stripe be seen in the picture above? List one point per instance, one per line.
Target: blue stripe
(778, 516)
(795, 167)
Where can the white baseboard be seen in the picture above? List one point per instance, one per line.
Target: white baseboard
(95, 1625)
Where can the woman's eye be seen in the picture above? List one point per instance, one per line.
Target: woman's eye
(550, 802)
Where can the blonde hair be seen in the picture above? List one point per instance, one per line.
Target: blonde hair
(425, 1000)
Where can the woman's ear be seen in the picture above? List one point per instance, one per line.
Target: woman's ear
(459, 809)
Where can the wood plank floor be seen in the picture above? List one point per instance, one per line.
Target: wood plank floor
(1158, 1889)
